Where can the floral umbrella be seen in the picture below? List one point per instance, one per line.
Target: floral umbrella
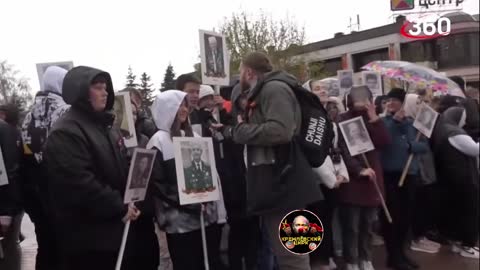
(419, 76)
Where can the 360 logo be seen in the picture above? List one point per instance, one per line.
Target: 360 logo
(418, 29)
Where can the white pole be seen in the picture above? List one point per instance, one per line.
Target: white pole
(122, 246)
(204, 238)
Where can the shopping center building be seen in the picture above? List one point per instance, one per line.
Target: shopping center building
(454, 54)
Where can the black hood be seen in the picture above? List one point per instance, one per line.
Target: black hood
(453, 115)
(77, 84)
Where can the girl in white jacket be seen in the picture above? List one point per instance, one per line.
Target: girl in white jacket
(332, 174)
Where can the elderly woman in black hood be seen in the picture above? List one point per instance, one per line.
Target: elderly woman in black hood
(456, 158)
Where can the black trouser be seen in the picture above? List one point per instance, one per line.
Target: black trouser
(243, 242)
(10, 246)
(91, 260)
(425, 212)
(399, 202)
(47, 253)
(324, 210)
(186, 251)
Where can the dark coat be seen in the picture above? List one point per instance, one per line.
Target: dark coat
(11, 146)
(87, 171)
(458, 179)
(360, 191)
(279, 177)
(145, 125)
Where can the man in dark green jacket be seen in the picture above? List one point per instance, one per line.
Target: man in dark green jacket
(279, 179)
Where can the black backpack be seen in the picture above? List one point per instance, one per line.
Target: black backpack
(316, 131)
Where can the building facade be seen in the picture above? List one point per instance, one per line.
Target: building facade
(454, 54)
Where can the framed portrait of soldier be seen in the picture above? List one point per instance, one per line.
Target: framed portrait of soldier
(3, 171)
(425, 120)
(356, 136)
(42, 67)
(345, 81)
(373, 80)
(196, 170)
(122, 108)
(139, 175)
(214, 56)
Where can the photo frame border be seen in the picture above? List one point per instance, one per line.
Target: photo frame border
(132, 142)
(342, 125)
(344, 91)
(379, 91)
(142, 192)
(419, 126)
(226, 60)
(186, 199)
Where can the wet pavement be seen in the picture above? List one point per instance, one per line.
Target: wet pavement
(445, 260)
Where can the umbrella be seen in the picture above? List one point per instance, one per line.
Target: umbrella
(417, 75)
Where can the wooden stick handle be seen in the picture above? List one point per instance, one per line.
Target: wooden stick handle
(379, 192)
(407, 165)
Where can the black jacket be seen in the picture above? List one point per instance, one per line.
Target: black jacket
(145, 125)
(10, 143)
(87, 171)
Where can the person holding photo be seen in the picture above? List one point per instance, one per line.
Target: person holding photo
(358, 198)
(181, 223)
(332, 174)
(400, 199)
(426, 199)
(87, 175)
(47, 108)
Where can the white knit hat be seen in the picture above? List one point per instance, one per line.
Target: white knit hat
(206, 90)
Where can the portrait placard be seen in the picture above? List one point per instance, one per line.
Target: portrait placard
(425, 120)
(42, 67)
(356, 136)
(345, 81)
(139, 175)
(196, 170)
(373, 80)
(122, 109)
(215, 60)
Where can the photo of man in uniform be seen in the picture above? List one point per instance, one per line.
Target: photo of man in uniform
(214, 56)
(198, 177)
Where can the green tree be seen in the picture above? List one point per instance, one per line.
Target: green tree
(13, 88)
(131, 79)
(168, 79)
(279, 39)
(146, 90)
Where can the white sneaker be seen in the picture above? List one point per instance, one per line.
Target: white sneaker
(469, 252)
(423, 246)
(366, 265)
(351, 267)
(430, 242)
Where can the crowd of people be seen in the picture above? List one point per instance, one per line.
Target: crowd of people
(67, 168)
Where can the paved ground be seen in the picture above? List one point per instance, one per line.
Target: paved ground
(445, 260)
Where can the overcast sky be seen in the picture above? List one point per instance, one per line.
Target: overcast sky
(148, 34)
